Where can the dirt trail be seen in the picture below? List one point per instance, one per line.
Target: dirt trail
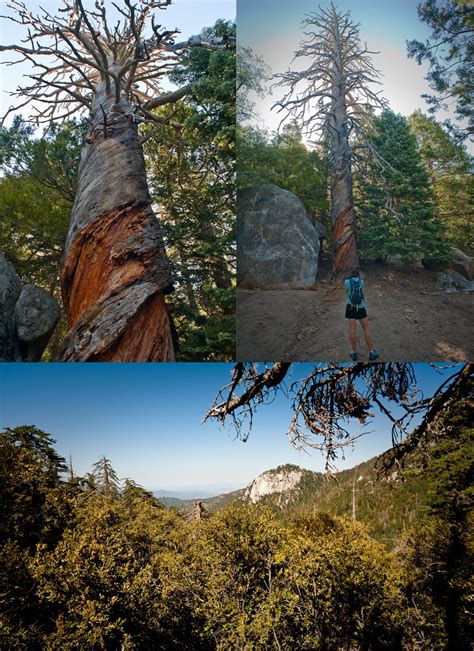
(410, 320)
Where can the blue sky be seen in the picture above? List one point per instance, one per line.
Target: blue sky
(147, 419)
(391, 20)
(272, 28)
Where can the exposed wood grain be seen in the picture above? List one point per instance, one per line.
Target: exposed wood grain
(114, 245)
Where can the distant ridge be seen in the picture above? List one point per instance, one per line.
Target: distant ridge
(386, 504)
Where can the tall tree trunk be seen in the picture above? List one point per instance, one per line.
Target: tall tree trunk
(115, 272)
(342, 202)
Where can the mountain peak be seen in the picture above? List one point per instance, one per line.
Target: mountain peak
(281, 481)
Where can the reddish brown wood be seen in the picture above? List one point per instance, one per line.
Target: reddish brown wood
(345, 251)
(110, 257)
(115, 272)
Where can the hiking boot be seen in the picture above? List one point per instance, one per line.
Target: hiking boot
(354, 357)
(373, 355)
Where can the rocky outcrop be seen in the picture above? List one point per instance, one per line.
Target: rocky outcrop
(460, 265)
(451, 281)
(277, 244)
(273, 482)
(28, 316)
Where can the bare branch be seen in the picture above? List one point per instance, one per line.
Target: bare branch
(169, 98)
(94, 58)
(215, 43)
(324, 402)
(340, 66)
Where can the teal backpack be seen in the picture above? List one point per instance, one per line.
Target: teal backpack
(356, 295)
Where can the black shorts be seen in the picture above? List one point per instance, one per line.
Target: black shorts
(354, 313)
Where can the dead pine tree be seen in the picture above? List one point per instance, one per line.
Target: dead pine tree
(331, 99)
(331, 395)
(115, 271)
(198, 512)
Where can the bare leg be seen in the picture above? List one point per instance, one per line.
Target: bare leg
(352, 334)
(365, 327)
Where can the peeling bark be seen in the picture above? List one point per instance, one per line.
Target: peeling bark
(115, 265)
(344, 237)
(115, 272)
(130, 326)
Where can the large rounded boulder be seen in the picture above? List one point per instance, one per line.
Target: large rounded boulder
(277, 243)
(28, 316)
(36, 316)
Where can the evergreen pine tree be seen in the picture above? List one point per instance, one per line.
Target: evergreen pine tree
(192, 180)
(395, 202)
(449, 54)
(449, 166)
(106, 479)
(284, 160)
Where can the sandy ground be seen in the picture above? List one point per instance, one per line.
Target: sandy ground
(409, 319)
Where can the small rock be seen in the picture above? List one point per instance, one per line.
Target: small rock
(463, 264)
(460, 282)
(450, 281)
(444, 283)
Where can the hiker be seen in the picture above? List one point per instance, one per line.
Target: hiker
(355, 311)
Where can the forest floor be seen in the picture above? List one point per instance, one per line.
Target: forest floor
(409, 318)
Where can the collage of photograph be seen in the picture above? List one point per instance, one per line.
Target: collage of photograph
(236, 308)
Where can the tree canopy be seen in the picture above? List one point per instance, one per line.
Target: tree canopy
(396, 207)
(450, 169)
(87, 50)
(450, 54)
(192, 177)
(252, 74)
(284, 160)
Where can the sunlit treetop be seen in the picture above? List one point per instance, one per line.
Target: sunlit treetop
(82, 53)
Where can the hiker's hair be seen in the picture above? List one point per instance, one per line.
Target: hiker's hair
(353, 273)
